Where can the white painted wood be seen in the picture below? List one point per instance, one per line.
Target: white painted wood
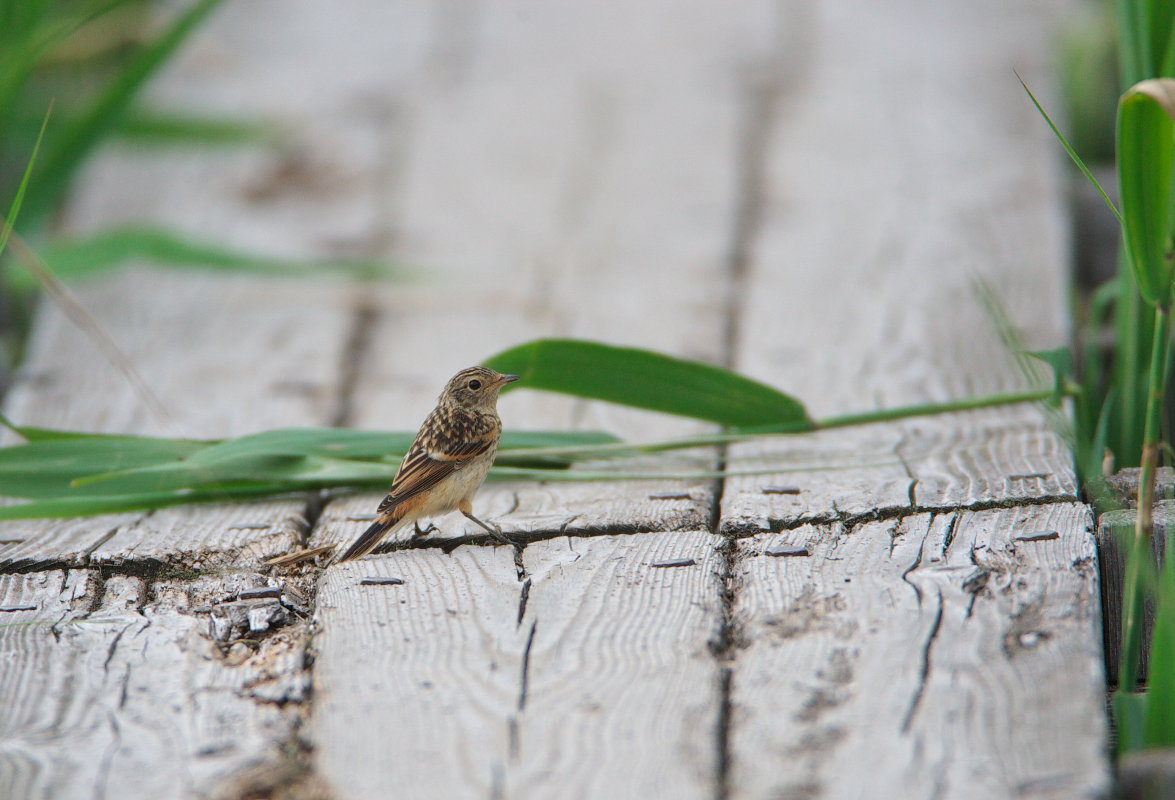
(917, 657)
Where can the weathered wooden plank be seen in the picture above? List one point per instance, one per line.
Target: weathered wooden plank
(33, 609)
(112, 685)
(479, 677)
(570, 195)
(162, 709)
(619, 665)
(605, 211)
(996, 632)
(953, 147)
(1115, 536)
(190, 355)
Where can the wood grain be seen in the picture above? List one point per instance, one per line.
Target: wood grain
(600, 200)
(760, 185)
(912, 690)
(921, 653)
(112, 686)
(139, 701)
(483, 678)
(1115, 536)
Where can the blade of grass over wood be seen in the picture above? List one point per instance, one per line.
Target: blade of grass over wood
(91, 506)
(1146, 155)
(186, 129)
(1077, 160)
(76, 143)
(47, 468)
(84, 257)
(59, 463)
(650, 380)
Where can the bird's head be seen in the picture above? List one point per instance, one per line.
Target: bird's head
(475, 388)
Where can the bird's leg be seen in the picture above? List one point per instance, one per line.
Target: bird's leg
(419, 533)
(492, 530)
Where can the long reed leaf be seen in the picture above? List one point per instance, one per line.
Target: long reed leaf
(651, 380)
(87, 256)
(1146, 158)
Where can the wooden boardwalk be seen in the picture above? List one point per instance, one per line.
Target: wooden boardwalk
(805, 192)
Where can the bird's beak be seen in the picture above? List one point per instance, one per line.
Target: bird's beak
(507, 379)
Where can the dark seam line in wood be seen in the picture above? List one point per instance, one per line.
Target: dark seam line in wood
(908, 570)
(151, 566)
(88, 554)
(726, 688)
(103, 776)
(890, 513)
(924, 675)
(523, 597)
(526, 667)
(354, 354)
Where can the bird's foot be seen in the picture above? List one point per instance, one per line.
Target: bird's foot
(494, 531)
(419, 533)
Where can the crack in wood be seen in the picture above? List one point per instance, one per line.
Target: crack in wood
(908, 570)
(924, 672)
(951, 533)
(524, 596)
(524, 685)
(723, 649)
(742, 529)
(355, 352)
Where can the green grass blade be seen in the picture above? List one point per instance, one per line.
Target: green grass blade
(1146, 157)
(18, 200)
(76, 143)
(1133, 335)
(106, 250)
(61, 464)
(47, 468)
(1162, 28)
(649, 380)
(187, 129)
(1160, 711)
(87, 506)
(1076, 159)
(1130, 720)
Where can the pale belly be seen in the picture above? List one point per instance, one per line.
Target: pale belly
(459, 486)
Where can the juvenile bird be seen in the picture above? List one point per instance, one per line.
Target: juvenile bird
(447, 462)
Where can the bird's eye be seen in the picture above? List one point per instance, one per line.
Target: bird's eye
(475, 384)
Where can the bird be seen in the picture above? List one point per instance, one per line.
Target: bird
(447, 462)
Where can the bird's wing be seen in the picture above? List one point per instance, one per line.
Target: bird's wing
(425, 467)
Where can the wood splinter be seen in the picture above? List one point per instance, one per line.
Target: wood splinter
(382, 582)
(676, 562)
(1037, 536)
(298, 556)
(786, 550)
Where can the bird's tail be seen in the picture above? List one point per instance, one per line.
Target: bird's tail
(383, 524)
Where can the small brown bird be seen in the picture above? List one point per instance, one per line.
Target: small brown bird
(448, 461)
